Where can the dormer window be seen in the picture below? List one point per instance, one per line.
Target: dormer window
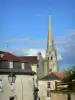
(10, 64)
(23, 66)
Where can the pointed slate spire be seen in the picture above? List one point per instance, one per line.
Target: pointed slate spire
(50, 44)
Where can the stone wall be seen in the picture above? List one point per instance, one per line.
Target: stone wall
(42, 85)
(73, 97)
(60, 96)
(23, 88)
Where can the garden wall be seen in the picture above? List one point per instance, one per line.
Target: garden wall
(61, 96)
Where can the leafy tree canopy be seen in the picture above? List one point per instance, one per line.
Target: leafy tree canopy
(70, 75)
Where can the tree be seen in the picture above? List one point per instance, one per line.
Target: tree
(70, 75)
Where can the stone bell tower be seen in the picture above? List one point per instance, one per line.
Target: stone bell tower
(50, 62)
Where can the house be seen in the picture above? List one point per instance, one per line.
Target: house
(33, 61)
(16, 78)
(47, 83)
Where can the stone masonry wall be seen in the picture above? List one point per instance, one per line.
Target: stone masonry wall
(60, 96)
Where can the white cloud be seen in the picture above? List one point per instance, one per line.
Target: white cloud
(59, 57)
(71, 32)
(33, 52)
(65, 46)
(28, 51)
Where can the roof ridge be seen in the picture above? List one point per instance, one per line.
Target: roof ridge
(11, 57)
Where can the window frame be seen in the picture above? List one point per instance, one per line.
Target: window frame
(48, 85)
(51, 58)
(10, 64)
(48, 93)
(23, 65)
(14, 97)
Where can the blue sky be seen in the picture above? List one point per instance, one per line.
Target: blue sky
(24, 26)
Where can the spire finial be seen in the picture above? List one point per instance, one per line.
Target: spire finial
(50, 19)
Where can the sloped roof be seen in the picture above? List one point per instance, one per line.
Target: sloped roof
(16, 71)
(10, 57)
(30, 59)
(54, 76)
(60, 74)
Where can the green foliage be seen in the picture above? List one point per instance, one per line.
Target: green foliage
(70, 75)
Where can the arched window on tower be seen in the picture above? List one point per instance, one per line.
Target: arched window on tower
(51, 58)
(48, 58)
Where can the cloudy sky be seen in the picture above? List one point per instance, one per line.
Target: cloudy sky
(24, 28)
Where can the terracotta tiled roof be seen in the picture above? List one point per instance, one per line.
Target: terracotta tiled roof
(60, 74)
(30, 59)
(10, 57)
(54, 76)
(22, 59)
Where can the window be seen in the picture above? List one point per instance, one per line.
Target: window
(48, 93)
(10, 64)
(23, 66)
(51, 58)
(12, 98)
(0, 85)
(48, 84)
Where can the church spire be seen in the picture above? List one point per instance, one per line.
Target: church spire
(50, 44)
(50, 64)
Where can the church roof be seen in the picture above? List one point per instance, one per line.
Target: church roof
(54, 76)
